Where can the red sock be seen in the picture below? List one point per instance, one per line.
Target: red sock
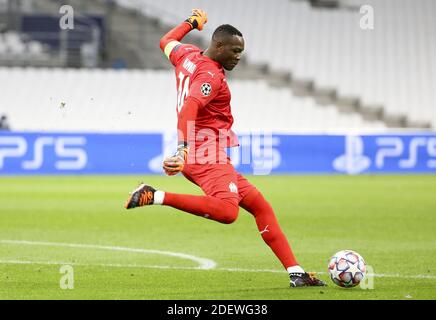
(269, 228)
(221, 210)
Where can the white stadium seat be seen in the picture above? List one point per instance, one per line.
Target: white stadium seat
(13, 47)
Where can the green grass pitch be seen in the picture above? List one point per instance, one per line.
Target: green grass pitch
(48, 222)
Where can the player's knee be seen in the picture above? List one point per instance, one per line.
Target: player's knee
(229, 214)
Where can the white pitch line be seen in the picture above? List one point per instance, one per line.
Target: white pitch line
(118, 265)
(397, 275)
(110, 265)
(203, 262)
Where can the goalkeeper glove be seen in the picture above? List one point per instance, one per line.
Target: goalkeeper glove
(197, 19)
(174, 164)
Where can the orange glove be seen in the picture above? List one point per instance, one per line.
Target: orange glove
(174, 164)
(197, 19)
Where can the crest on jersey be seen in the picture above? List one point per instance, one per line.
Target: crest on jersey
(206, 89)
(233, 188)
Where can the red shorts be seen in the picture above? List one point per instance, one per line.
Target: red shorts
(219, 180)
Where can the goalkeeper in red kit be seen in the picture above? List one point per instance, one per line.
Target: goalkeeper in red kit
(204, 132)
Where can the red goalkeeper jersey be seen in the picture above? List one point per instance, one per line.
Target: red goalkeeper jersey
(204, 80)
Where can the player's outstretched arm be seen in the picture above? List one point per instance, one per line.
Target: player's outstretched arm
(171, 39)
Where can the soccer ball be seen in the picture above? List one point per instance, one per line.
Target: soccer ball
(347, 268)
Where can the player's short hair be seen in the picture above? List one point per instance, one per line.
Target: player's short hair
(226, 30)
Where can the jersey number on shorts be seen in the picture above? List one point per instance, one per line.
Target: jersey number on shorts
(182, 91)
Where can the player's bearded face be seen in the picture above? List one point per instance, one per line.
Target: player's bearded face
(230, 52)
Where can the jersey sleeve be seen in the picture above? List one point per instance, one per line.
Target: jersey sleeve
(179, 51)
(205, 87)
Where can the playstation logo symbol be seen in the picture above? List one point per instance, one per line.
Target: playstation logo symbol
(353, 161)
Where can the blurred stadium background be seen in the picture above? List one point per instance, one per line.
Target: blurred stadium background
(100, 99)
(314, 69)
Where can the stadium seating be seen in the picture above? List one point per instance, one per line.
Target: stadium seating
(144, 100)
(390, 66)
(14, 48)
